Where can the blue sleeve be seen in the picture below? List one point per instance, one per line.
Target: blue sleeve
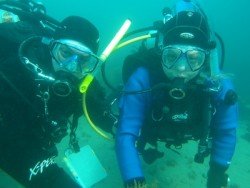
(133, 108)
(224, 124)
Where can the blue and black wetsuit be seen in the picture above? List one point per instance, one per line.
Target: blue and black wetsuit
(134, 109)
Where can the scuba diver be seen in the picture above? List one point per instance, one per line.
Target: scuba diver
(42, 63)
(174, 93)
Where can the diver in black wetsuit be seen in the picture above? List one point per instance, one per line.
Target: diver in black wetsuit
(40, 71)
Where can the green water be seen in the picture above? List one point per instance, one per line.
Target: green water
(231, 20)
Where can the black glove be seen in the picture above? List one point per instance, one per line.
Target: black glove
(217, 177)
(150, 155)
(135, 183)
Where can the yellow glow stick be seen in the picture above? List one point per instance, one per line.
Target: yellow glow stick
(87, 81)
(89, 78)
(115, 40)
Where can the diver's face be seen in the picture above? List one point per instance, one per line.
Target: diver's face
(73, 57)
(182, 61)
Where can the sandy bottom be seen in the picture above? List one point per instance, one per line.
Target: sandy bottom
(173, 170)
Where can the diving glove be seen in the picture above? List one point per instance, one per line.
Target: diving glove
(150, 155)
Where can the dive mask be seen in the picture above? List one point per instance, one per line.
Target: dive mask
(195, 56)
(74, 57)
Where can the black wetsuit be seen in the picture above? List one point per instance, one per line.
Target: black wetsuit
(26, 148)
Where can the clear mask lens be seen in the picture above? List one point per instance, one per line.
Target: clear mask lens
(195, 57)
(74, 57)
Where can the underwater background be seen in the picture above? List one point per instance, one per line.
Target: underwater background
(228, 18)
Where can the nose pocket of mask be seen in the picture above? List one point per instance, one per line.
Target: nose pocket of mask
(71, 64)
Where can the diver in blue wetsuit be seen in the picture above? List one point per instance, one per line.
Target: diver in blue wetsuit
(176, 94)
